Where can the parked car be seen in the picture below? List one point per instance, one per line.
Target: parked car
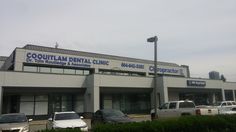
(224, 106)
(110, 116)
(14, 122)
(181, 108)
(229, 112)
(69, 119)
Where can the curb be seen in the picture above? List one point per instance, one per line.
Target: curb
(138, 116)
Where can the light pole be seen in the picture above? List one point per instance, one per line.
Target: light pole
(154, 39)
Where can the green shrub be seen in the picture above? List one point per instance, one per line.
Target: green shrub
(183, 124)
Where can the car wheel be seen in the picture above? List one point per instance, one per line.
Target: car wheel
(153, 116)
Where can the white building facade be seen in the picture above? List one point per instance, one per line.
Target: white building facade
(38, 81)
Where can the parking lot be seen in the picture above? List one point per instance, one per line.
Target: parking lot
(41, 124)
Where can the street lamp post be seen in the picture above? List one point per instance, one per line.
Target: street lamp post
(154, 39)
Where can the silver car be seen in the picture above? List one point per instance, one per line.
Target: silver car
(14, 122)
(69, 119)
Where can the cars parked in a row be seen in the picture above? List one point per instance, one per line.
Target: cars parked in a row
(62, 120)
(181, 108)
(14, 122)
(186, 107)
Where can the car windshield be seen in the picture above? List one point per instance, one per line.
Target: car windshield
(66, 116)
(112, 113)
(16, 118)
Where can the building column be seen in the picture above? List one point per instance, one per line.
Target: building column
(163, 95)
(166, 96)
(234, 95)
(223, 94)
(92, 94)
(96, 98)
(1, 99)
(213, 98)
(162, 91)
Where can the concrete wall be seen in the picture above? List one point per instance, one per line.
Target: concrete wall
(182, 82)
(124, 81)
(23, 79)
(229, 85)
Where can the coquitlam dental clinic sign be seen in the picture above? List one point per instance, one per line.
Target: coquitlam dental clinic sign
(43, 58)
(76, 61)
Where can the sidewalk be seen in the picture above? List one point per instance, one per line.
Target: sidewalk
(139, 118)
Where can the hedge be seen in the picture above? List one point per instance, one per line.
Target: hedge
(220, 123)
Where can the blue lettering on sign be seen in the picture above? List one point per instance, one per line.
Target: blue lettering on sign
(163, 70)
(63, 60)
(101, 62)
(135, 66)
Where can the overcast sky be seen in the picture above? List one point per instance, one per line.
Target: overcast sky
(198, 33)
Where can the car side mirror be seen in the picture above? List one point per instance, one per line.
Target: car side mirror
(50, 119)
(30, 120)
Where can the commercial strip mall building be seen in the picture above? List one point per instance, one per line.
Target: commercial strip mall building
(38, 80)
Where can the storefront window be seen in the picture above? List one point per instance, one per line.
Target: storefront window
(80, 72)
(69, 71)
(57, 70)
(78, 103)
(107, 101)
(34, 105)
(66, 103)
(128, 103)
(31, 68)
(45, 69)
(59, 103)
(41, 105)
(229, 95)
(27, 105)
(86, 72)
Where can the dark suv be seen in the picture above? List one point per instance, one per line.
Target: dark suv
(110, 116)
